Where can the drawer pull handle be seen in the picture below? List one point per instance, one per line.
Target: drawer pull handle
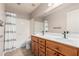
(41, 41)
(41, 47)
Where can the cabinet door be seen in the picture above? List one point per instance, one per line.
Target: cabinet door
(36, 48)
(41, 53)
(35, 39)
(67, 50)
(50, 52)
(33, 47)
(61, 48)
(42, 48)
(42, 41)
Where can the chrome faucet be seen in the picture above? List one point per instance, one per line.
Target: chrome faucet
(43, 32)
(65, 34)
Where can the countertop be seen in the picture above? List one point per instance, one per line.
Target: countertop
(70, 41)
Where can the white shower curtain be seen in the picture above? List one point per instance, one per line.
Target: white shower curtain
(10, 31)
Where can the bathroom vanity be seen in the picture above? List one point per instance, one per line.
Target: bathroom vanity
(45, 46)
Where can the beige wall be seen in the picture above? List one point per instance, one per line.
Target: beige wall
(58, 17)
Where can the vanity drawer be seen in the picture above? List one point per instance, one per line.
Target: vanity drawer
(41, 48)
(35, 39)
(52, 45)
(33, 47)
(61, 48)
(42, 42)
(67, 50)
(36, 49)
(41, 53)
(50, 52)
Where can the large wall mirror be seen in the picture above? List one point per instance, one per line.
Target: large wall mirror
(73, 21)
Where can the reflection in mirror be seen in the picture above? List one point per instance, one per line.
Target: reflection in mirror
(1, 23)
(45, 25)
(38, 26)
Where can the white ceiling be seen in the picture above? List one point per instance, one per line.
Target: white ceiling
(23, 8)
(44, 9)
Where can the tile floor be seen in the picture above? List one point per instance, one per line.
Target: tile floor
(19, 52)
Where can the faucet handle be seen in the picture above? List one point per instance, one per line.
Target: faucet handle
(67, 32)
(64, 32)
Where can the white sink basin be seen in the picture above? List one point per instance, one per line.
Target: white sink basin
(52, 36)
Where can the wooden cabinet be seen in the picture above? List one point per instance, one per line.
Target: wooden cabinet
(42, 41)
(35, 39)
(67, 50)
(42, 51)
(38, 46)
(36, 49)
(44, 47)
(50, 52)
(41, 48)
(61, 48)
(35, 45)
(52, 45)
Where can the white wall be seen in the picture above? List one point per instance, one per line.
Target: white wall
(2, 17)
(22, 31)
